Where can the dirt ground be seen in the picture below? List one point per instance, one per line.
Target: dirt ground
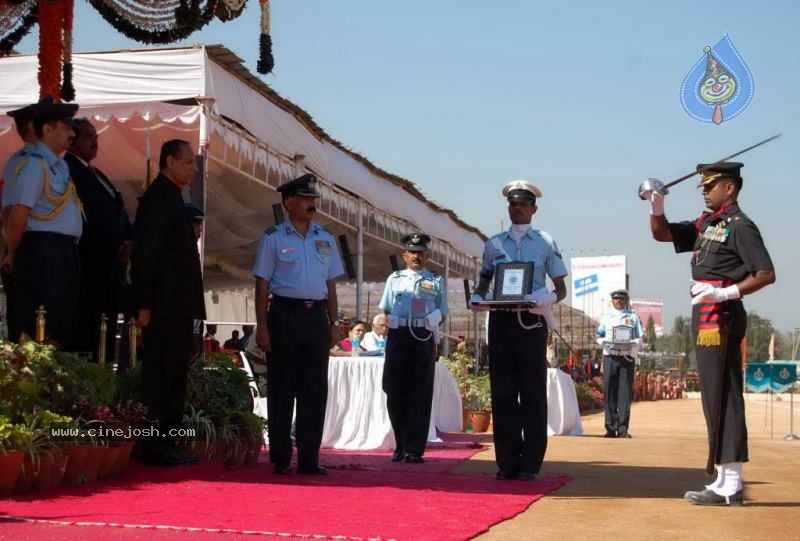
(633, 488)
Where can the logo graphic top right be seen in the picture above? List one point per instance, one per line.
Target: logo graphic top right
(719, 86)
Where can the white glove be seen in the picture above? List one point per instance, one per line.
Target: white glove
(656, 199)
(433, 319)
(542, 297)
(601, 340)
(702, 291)
(476, 308)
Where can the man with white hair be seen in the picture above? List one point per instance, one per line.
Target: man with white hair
(375, 339)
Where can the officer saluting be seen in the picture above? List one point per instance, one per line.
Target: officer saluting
(42, 226)
(729, 260)
(415, 301)
(297, 262)
(518, 339)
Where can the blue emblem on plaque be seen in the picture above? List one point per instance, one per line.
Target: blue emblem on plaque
(719, 86)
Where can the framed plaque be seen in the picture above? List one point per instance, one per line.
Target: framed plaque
(622, 334)
(512, 281)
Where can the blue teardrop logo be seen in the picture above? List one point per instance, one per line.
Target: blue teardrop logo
(719, 86)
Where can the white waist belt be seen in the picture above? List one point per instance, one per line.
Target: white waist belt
(403, 322)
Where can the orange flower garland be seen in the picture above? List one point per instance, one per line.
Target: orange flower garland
(51, 47)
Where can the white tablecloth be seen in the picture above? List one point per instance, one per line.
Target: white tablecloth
(356, 415)
(563, 415)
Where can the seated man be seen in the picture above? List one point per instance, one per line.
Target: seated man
(376, 338)
(232, 343)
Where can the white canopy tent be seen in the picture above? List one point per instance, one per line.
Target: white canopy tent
(251, 140)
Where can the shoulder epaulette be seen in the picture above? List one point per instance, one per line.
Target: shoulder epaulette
(395, 274)
(270, 230)
(434, 274)
(323, 228)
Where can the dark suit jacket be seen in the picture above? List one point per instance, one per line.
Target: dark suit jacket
(106, 224)
(166, 265)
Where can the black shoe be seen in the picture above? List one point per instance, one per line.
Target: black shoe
(167, 459)
(610, 434)
(315, 469)
(526, 476)
(504, 475)
(398, 456)
(282, 469)
(709, 497)
(413, 458)
(624, 435)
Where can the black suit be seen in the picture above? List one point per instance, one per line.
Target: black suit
(167, 280)
(106, 226)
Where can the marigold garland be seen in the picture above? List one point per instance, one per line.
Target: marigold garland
(51, 46)
(67, 88)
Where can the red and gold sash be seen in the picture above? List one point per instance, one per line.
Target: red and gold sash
(708, 333)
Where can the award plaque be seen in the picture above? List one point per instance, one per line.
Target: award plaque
(622, 335)
(512, 281)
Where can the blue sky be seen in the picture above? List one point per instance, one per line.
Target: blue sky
(582, 99)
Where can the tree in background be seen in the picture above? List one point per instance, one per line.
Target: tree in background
(759, 333)
(650, 334)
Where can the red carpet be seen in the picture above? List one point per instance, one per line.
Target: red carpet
(187, 503)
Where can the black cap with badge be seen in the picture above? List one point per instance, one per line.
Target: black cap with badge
(305, 186)
(48, 112)
(721, 170)
(415, 242)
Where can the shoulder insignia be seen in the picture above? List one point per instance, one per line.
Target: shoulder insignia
(434, 274)
(270, 230)
(323, 228)
(395, 274)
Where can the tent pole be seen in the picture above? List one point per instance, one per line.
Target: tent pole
(446, 345)
(360, 261)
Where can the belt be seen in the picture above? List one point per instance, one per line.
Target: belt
(305, 303)
(51, 235)
(403, 322)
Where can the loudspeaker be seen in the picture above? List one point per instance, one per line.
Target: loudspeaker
(347, 257)
(393, 263)
(277, 211)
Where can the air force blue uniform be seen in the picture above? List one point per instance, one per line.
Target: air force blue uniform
(408, 373)
(618, 367)
(517, 356)
(297, 269)
(46, 263)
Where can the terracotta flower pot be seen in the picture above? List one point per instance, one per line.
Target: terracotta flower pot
(464, 420)
(76, 464)
(27, 474)
(10, 466)
(107, 462)
(123, 459)
(92, 467)
(480, 420)
(51, 470)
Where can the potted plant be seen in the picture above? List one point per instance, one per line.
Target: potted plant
(14, 439)
(478, 401)
(460, 363)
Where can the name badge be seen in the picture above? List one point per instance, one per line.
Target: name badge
(323, 247)
(287, 250)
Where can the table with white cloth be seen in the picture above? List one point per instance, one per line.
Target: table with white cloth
(563, 415)
(356, 416)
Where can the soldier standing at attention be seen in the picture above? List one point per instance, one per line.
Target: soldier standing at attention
(42, 226)
(297, 262)
(729, 260)
(518, 338)
(415, 301)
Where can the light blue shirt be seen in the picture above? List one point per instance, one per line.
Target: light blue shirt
(297, 266)
(28, 189)
(10, 170)
(536, 246)
(620, 318)
(414, 295)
